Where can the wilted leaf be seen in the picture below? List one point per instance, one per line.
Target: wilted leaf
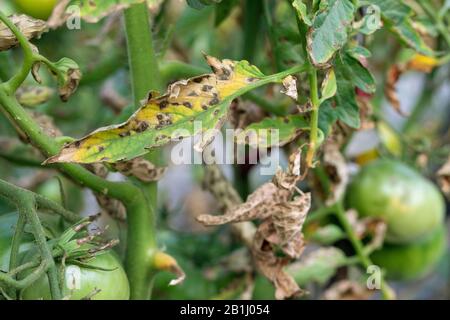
(329, 86)
(318, 266)
(271, 265)
(336, 167)
(177, 114)
(328, 32)
(30, 28)
(347, 290)
(373, 228)
(68, 76)
(31, 96)
(46, 124)
(140, 168)
(273, 131)
(443, 176)
(290, 87)
(390, 90)
(302, 13)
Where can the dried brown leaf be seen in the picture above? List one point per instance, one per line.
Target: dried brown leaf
(140, 168)
(290, 87)
(272, 266)
(30, 27)
(336, 167)
(165, 262)
(347, 290)
(390, 90)
(46, 124)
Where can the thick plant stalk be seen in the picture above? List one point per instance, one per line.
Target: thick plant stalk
(141, 243)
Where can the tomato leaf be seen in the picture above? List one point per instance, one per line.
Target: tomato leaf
(358, 74)
(397, 17)
(302, 12)
(261, 133)
(329, 85)
(188, 108)
(328, 32)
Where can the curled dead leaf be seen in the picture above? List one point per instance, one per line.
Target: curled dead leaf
(347, 290)
(390, 90)
(140, 168)
(272, 266)
(30, 28)
(290, 87)
(336, 167)
(374, 228)
(46, 124)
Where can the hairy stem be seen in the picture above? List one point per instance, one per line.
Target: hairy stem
(141, 219)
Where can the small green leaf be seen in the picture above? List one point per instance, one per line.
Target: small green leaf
(319, 266)
(358, 74)
(272, 132)
(329, 86)
(328, 32)
(327, 235)
(346, 108)
(302, 13)
(358, 51)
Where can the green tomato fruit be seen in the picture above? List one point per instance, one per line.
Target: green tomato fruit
(40, 9)
(80, 281)
(410, 204)
(412, 261)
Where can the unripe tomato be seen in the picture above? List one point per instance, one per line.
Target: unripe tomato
(81, 281)
(40, 9)
(412, 261)
(410, 204)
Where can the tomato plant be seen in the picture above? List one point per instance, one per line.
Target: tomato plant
(233, 149)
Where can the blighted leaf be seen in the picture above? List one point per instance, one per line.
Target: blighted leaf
(271, 265)
(328, 32)
(318, 266)
(373, 229)
(290, 87)
(443, 176)
(302, 12)
(188, 108)
(140, 168)
(273, 131)
(244, 114)
(390, 90)
(347, 290)
(336, 167)
(29, 27)
(31, 96)
(406, 33)
(164, 262)
(46, 124)
(68, 75)
(329, 86)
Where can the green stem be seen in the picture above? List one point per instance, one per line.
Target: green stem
(145, 76)
(252, 21)
(314, 123)
(358, 246)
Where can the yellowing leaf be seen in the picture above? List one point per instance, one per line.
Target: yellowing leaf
(188, 108)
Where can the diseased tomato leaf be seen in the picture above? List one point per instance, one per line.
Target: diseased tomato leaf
(261, 134)
(328, 32)
(189, 107)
